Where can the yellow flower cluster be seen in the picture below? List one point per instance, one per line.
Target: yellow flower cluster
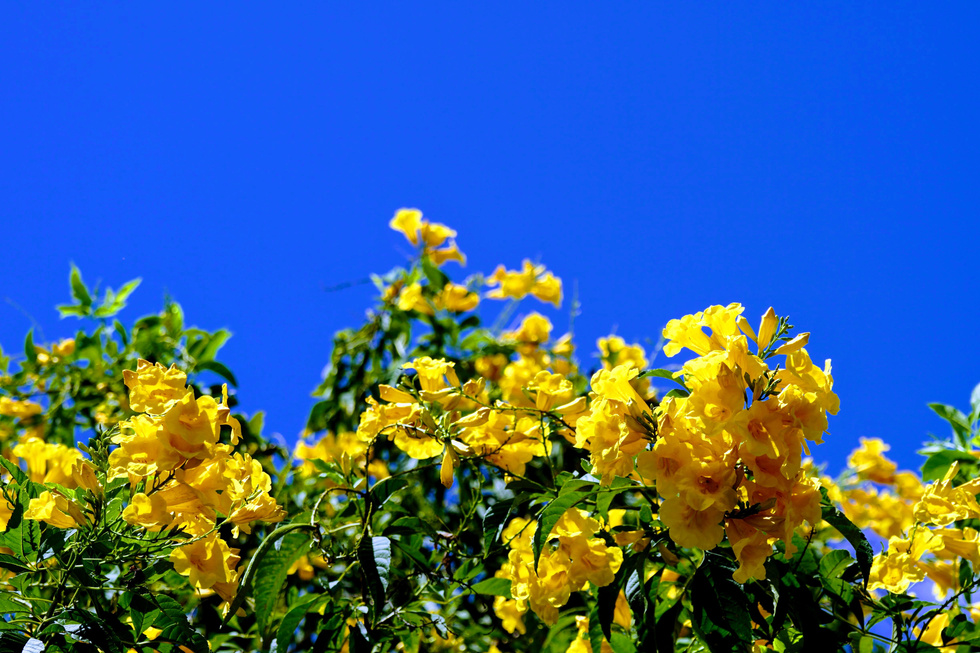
(728, 457)
(573, 557)
(931, 534)
(532, 279)
(187, 478)
(453, 298)
(20, 409)
(888, 511)
(430, 235)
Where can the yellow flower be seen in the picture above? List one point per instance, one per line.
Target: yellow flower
(48, 463)
(20, 409)
(52, 509)
(408, 222)
(531, 279)
(942, 504)
(154, 388)
(457, 299)
(205, 561)
(434, 373)
(149, 511)
(534, 330)
(692, 528)
(412, 299)
(429, 234)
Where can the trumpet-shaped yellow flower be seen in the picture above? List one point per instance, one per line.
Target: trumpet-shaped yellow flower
(54, 509)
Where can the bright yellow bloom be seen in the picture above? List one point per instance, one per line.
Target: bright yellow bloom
(534, 330)
(205, 561)
(869, 462)
(19, 409)
(154, 388)
(942, 504)
(412, 299)
(52, 508)
(690, 527)
(6, 512)
(530, 280)
(430, 235)
(457, 299)
(48, 463)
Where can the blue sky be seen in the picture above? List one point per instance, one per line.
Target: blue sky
(659, 158)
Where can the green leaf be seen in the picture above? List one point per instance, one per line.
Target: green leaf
(374, 554)
(287, 627)
(606, 607)
(595, 629)
(29, 350)
(246, 580)
(270, 575)
(936, 466)
(72, 309)
(437, 278)
(171, 619)
(78, 289)
(620, 643)
(863, 552)
(493, 587)
(123, 293)
(664, 374)
(217, 368)
(550, 516)
(955, 418)
(721, 616)
(605, 497)
(16, 472)
(383, 490)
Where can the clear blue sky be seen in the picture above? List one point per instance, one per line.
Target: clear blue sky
(661, 156)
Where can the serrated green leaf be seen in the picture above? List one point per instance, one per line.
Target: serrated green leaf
(270, 575)
(664, 374)
(268, 543)
(374, 554)
(493, 587)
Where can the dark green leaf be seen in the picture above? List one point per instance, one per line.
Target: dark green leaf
(374, 554)
(493, 587)
(29, 350)
(383, 490)
(664, 374)
(293, 618)
(863, 552)
(270, 575)
(217, 368)
(721, 616)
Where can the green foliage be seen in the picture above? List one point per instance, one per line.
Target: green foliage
(380, 551)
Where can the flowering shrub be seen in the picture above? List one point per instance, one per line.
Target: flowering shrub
(465, 488)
